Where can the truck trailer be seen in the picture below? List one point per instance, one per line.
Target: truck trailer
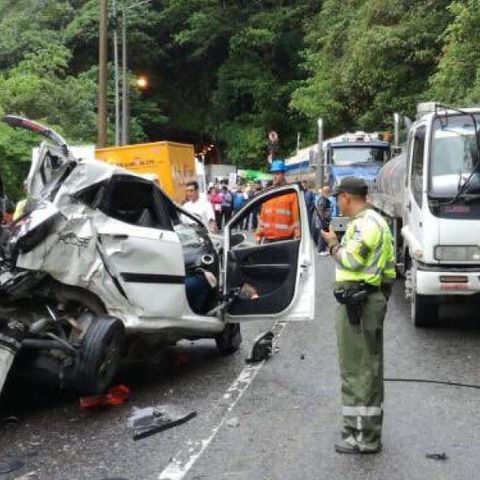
(430, 194)
(171, 164)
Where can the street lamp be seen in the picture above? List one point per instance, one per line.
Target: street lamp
(142, 82)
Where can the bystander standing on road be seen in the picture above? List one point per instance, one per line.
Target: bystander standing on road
(324, 212)
(200, 207)
(256, 211)
(249, 194)
(279, 216)
(365, 271)
(310, 202)
(227, 205)
(239, 200)
(216, 200)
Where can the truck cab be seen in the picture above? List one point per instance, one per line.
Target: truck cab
(441, 227)
(361, 155)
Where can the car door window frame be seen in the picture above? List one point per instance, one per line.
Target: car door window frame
(105, 205)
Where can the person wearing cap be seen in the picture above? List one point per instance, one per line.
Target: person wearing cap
(279, 217)
(365, 272)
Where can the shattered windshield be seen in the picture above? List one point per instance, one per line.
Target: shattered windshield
(452, 157)
(343, 156)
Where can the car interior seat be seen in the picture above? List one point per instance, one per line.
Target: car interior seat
(148, 219)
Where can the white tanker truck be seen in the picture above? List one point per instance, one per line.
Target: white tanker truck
(431, 195)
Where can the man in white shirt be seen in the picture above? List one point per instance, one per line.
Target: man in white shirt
(200, 207)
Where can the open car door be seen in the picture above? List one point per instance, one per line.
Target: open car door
(271, 274)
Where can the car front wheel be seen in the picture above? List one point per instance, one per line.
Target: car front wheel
(99, 356)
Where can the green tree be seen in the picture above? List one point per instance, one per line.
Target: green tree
(370, 58)
(40, 88)
(255, 84)
(457, 79)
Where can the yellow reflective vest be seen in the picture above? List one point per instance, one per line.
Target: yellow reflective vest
(366, 252)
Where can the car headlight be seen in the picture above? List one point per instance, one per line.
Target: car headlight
(454, 253)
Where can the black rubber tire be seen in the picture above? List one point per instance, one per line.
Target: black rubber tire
(99, 356)
(230, 339)
(424, 310)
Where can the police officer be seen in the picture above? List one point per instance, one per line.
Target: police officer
(364, 276)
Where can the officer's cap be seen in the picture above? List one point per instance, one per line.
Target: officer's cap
(353, 185)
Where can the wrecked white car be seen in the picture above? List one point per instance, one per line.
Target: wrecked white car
(102, 259)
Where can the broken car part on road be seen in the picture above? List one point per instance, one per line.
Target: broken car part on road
(150, 420)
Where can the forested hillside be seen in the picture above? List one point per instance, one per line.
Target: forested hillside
(229, 70)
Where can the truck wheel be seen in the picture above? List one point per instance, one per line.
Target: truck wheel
(99, 356)
(424, 310)
(229, 340)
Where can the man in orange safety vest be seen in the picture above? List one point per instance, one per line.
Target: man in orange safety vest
(279, 216)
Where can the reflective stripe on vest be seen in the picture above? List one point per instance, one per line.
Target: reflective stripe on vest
(361, 411)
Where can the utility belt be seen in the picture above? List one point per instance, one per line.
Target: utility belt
(354, 296)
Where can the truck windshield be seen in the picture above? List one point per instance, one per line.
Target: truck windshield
(452, 157)
(343, 156)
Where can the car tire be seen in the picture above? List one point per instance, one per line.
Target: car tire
(99, 356)
(424, 310)
(230, 339)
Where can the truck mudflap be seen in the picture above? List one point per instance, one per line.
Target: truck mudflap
(9, 347)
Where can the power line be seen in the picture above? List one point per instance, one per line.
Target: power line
(437, 382)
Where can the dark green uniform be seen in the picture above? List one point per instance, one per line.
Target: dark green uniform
(365, 255)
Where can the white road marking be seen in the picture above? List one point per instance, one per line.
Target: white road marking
(184, 460)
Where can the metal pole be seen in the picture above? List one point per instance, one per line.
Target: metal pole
(115, 69)
(102, 75)
(125, 112)
(320, 173)
(396, 123)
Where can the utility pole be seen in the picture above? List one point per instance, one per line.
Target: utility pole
(102, 75)
(115, 69)
(125, 86)
(125, 112)
(320, 173)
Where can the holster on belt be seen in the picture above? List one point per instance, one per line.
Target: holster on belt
(353, 296)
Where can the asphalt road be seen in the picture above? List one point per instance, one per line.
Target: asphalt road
(278, 420)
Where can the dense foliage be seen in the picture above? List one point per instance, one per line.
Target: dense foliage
(228, 71)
